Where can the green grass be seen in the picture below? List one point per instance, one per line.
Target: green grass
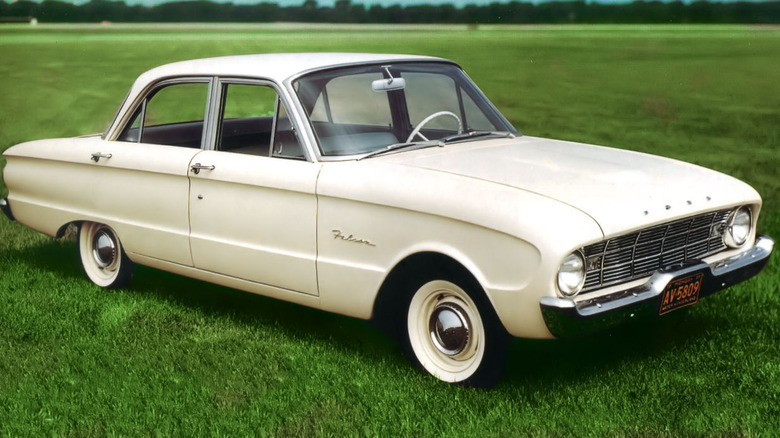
(174, 356)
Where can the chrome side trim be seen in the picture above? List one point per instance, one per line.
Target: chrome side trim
(566, 317)
(6, 208)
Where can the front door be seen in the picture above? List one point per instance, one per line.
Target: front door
(252, 199)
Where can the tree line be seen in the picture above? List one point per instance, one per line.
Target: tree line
(344, 11)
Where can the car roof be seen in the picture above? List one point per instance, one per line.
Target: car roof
(277, 67)
(274, 66)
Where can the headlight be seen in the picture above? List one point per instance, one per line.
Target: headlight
(571, 275)
(739, 227)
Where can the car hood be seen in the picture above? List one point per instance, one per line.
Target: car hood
(621, 190)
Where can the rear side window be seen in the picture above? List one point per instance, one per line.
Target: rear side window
(172, 115)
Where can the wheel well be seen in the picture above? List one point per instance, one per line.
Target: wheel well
(69, 230)
(389, 306)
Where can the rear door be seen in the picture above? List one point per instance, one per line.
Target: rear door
(146, 184)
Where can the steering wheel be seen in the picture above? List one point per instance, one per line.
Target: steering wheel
(416, 130)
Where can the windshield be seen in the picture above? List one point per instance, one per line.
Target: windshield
(364, 109)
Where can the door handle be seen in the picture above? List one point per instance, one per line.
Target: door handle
(97, 156)
(197, 167)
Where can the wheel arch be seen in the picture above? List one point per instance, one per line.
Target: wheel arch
(65, 230)
(392, 296)
(70, 231)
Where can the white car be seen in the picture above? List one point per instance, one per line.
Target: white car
(385, 187)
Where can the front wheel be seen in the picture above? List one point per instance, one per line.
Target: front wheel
(102, 257)
(453, 337)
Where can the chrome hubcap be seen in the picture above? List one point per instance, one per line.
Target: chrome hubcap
(449, 329)
(104, 248)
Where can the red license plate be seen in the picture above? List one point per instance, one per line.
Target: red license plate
(681, 292)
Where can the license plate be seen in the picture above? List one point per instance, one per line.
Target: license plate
(681, 292)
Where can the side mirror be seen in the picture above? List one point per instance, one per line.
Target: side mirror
(390, 84)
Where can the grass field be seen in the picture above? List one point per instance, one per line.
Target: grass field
(174, 356)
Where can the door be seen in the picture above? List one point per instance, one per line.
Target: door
(252, 198)
(148, 189)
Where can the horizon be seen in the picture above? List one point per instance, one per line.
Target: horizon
(387, 3)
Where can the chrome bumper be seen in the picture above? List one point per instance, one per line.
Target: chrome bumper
(565, 317)
(6, 208)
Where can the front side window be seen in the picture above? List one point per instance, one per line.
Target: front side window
(352, 113)
(253, 121)
(171, 115)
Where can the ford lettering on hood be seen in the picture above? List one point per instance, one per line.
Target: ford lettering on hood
(621, 190)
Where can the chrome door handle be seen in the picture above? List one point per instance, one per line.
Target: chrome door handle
(197, 167)
(97, 156)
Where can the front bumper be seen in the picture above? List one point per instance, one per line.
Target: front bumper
(6, 208)
(566, 318)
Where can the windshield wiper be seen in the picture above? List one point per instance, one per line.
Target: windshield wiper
(400, 146)
(440, 142)
(475, 134)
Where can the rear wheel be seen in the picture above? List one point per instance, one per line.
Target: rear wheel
(102, 257)
(454, 334)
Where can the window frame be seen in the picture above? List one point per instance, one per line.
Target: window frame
(214, 108)
(149, 92)
(217, 112)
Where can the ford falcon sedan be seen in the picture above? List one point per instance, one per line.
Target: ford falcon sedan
(385, 187)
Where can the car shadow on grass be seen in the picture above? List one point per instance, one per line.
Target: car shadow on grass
(61, 258)
(296, 321)
(577, 359)
(529, 363)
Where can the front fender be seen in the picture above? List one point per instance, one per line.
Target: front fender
(373, 216)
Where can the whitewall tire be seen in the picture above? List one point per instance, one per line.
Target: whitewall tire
(450, 337)
(102, 256)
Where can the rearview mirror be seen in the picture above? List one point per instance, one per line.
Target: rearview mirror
(390, 84)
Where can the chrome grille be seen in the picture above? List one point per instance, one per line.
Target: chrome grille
(637, 255)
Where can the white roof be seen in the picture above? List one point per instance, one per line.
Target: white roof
(275, 66)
